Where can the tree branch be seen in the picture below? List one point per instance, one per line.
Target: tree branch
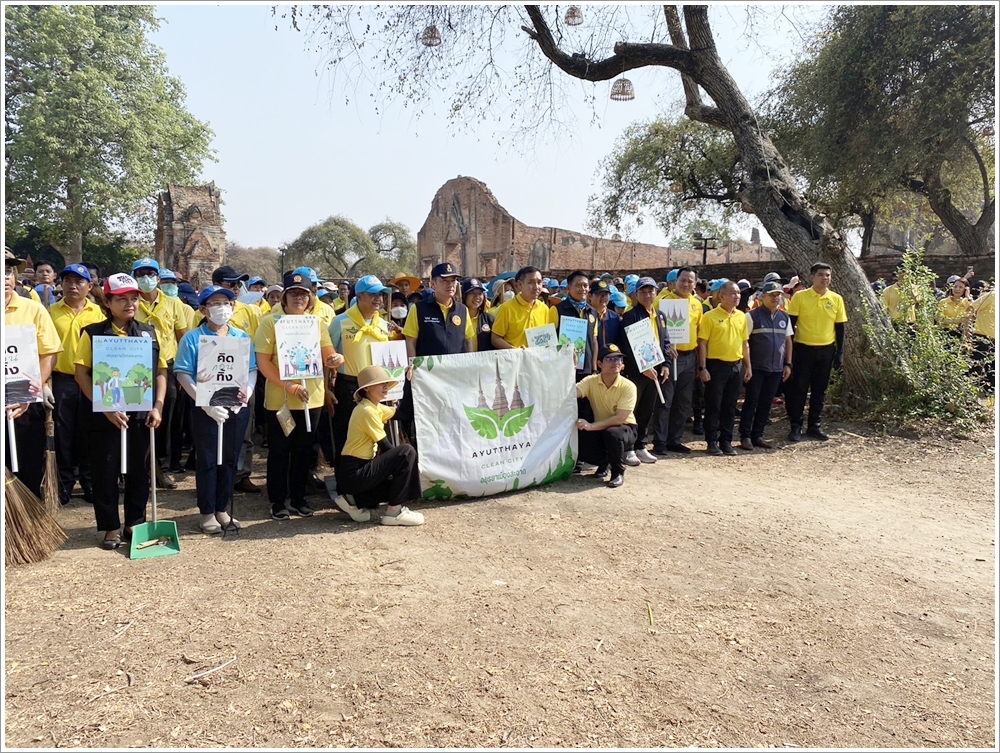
(627, 56)
(983, 174)
(694, 108)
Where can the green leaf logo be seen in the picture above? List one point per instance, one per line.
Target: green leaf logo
(675, 322)
(485, 422)
(515, 420)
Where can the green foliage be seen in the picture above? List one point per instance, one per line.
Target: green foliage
(395, 251)
(563, 469)
(673, 170)
(337, 247)
(140, 375)
(94, 123)
(924, 371)
(257, 260)
(113, 253)
(489, 425)
(102, 375)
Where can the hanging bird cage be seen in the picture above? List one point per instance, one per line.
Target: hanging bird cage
(574, 16)
(622, 90)
(431, 36)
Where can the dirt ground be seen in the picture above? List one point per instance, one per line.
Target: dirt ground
(820, 595)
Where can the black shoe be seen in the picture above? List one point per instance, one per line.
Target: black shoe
(280, 514)
(747, 444)
(727, 449)
(247, 486)
(659, 450)
(163, 481)
(88, 496)
(303, 510)
(681, 448)
(176, 468)
(189, 465)
(714, 449)
(795, 435)
(616, 481)
(601, 473)
(698, 429)
(817, 433)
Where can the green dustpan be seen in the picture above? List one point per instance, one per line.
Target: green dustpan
(158, 538)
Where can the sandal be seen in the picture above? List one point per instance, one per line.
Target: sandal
(112, 543)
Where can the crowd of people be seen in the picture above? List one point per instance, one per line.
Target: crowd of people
(762, 343)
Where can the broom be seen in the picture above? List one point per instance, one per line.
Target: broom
(31, 534)
(50, 480)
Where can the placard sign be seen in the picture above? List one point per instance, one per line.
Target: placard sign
(644, 344)
(123, 374)
(299, 355)
(223, 371)
(678, 313)
(391, 356)
(542, 337)
(573, 332)
(22, 376)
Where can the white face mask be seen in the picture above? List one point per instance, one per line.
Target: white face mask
(508, 295)
(398, 312)
(220, 315)
(148, 283)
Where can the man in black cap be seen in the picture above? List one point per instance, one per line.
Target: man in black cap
(608, 322)
(610, 435)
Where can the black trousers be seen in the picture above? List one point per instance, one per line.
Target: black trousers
(721, 395)
(29, 433)
(72, 416)
(105, 466)
(214, 481)
(180, 425)
(343, 390)
(290, 460)
(682, 405)
(608, 447)
(661, 411)
(757, 400)
(645, 404)
(811, 367)
(391, 477)
(164, 432)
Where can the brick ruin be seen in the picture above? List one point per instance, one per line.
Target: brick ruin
(468, 227)
(189, 237)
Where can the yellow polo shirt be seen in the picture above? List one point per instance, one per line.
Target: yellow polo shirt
(366, 429)
(607, 401)
(816, 316)
(167, 316)
(264, 342)
(411, 327)
(515, 316)
(69, 325)
(357, 352)
(695, 308)
(985, 309)
(85, 349)
(26, 311)
(245, 317)
(725, 333)
(952, 314)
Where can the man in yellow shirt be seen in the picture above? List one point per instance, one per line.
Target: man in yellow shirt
(606, 439)
(29, 418)
(521, 312)
(818, 316)
(984, 339)
(722, 350)
(72, 410)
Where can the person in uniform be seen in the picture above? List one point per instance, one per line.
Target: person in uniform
(610, 435)
(474, 298)
(123, 302)
(770, 331)
(29, 418)
(818, 317)
(370, 470)
(72, 412)
(522, 312)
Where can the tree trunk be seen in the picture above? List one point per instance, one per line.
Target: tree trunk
(973, 239)
(73, 250)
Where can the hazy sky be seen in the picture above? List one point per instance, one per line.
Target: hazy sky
(292, 153)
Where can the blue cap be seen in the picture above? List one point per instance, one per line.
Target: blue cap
(323, 293)
(307, 272)
(79, 270)
(166, 274)
(631, 278)
(718, 284)
(673, 274)
(147, 263)
(212, 290)
(630, 286)
(473, 283)
(619, 300)
(770, 287)
(187, 293)
(612, 289)
(564, 284)
(447, 269)
(370, 284)
(256, 281)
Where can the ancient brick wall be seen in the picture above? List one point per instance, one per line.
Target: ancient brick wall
(189, 237)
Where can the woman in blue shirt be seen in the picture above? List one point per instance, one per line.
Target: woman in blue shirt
(227, 413)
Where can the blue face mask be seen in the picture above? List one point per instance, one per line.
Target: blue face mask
(148, 283)
(169, 289)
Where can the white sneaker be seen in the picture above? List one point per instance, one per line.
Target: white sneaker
(405, 517)
(226, 521)
(645, 456)
(632, 459)
(209, 524)
(357, 514)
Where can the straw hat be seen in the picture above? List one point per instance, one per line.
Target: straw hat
(371, 375)
(414, 282)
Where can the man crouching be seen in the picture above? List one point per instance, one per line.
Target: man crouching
(605, 440)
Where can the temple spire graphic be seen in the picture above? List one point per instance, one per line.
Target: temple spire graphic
(517, 402)
(482, 397)
(500, 398)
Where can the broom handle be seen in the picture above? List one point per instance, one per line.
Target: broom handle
(13, 442)
(124, 450)
(309, 428)
(152, 469)
(218, 452)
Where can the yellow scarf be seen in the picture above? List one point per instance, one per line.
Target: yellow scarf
(372, 330)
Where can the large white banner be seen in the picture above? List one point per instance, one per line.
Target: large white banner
(495, 421)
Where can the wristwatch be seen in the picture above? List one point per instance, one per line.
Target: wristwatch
(702, 368)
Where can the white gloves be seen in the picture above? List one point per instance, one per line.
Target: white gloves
(216, 412)
(48, 398)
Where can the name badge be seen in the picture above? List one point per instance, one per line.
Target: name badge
(456, 320)
(486, 328)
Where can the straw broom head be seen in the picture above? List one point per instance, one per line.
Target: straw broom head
(32, 533)
(50, 480)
